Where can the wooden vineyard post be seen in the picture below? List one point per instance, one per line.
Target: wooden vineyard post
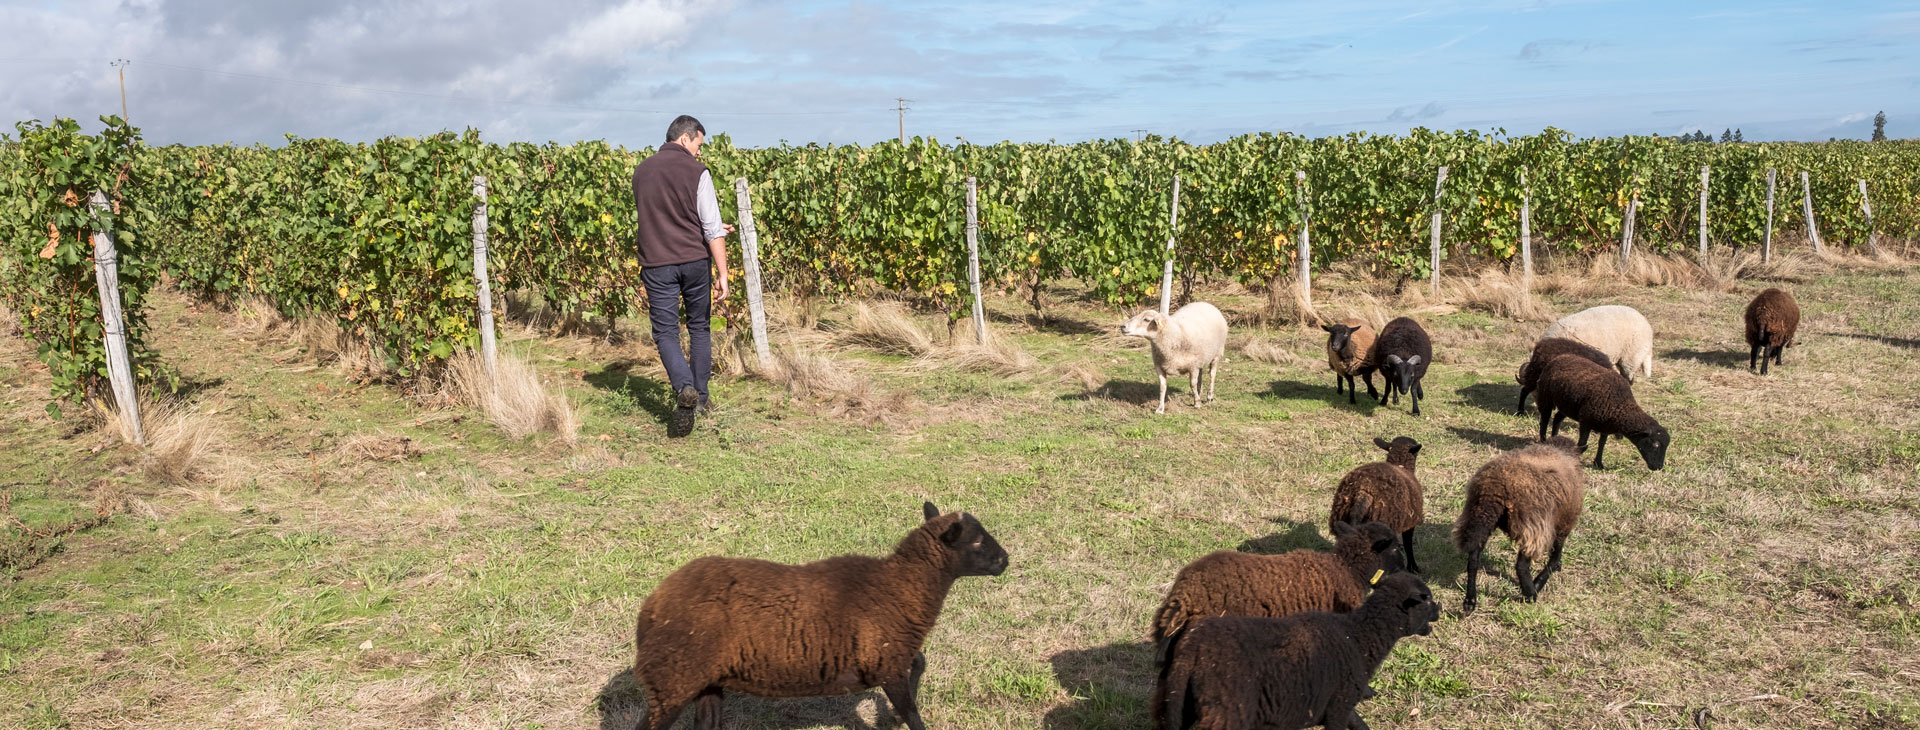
(1173, 227)
(1704, 170)
(1806, 203)
(1437, 185)
(1303, 265)
(480, 271)
(1766, 244)
(106, 277)
(1866, 206)
(1526, 232)
(973, 260)
(1626, 231)
(750, 261)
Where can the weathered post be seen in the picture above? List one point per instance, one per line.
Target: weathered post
(485, 290)
(1303, 265)
(1806, 203)
(1626, 231)
(106, 277)
(1866, 206)
(1437, 185)
(1766, 245)
(750, 261)
(973, 261)
(1173, 227)
(1526, 232)
(1703, 210)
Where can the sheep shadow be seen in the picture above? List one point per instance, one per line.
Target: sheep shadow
(1896, 342)
(1128, 391)
(1109, 686)
(1294, 536)
(1501, 441)
(1297, 390)
(1053, 324)
(623, 704)
(1492, 397)
(650, 394)
(1720, 358)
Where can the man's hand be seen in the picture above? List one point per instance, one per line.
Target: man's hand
(728, 226)
(720, 288)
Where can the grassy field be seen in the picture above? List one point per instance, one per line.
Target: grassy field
(346, 557)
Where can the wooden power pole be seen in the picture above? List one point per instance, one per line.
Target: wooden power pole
(903, 118)
(121, 63)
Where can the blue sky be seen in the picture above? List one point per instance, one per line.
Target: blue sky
(1028, 71)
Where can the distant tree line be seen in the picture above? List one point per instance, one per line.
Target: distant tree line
(1730, 135)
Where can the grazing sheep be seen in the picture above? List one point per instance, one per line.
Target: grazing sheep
(1349, 342)
(1772, 319)
(1246, 673)
(1402, 352)
(1535, 495)
(1601, 401)
(1621, 332)
(1192, 339)
(830, 627)
(1548, 349)
(1386, 492)
(1232, 583)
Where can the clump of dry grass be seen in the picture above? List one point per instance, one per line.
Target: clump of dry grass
(886, 327)
(1499, 292)
(511, 396)
(379, 446)
(1720, 269)
(819, 379)
(257, 317)
(183, 444)
(1289, 302)
(998, 354)
(1261, 349)
(1088, 376)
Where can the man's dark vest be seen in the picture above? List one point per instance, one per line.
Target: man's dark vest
(668, 227)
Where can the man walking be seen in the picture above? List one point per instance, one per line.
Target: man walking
(682, 245)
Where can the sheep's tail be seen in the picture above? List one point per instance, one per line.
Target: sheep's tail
(1169, 701)
(1532, 532)
(1351, 508)
(1476, 523)
(640, 627)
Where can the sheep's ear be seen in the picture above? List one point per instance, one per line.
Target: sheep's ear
(929, 510)
(1327, 327)
(1415, 449)
(951, 535)
(1382, 443)
(1415, 360)
(1342, 529)
(1381, 546)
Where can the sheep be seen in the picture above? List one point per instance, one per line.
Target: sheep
(1548, 349)
(1601, 401)
(1619, 331)
(1384, 491)
(1402, 352)
(1243, 673)
(1232, 583)
(1192, 339)
(1535, 495)
(834, 626)
(1772, 319)
(1349, 342)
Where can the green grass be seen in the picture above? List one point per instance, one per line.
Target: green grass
(491, 583)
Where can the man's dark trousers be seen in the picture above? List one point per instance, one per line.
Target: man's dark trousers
(667, 286)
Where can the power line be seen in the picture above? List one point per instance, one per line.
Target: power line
(902, 108)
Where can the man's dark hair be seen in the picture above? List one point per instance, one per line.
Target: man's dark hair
(684, 124)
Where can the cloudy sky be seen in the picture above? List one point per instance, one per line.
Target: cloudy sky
(206, 71)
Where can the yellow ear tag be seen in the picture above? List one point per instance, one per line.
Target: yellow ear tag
(1376, 577)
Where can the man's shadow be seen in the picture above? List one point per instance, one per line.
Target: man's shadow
(649, 394)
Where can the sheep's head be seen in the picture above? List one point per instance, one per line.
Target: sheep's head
(1338, 336)
(1652, 444)
(1401, 451)
(1409, 597)
(1400, 373)
(975, 552)
(1368, 548)
(1146, 324)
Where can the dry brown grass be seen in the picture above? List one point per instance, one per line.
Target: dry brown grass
(820, 380)
(885, 327)
(257, 317)
(183, 444)
(378, 446)
(1290, 303)
(512, 396)
(1500, 292)
(1260, 349)
(999, 355)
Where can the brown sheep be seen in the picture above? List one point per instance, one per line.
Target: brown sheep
(1548, 349)
(1601, 400)
(1535, 495)
(830, 627)
(1384, 491)
(1772, 319)
(1349, 343)
(1244, 673)
(1232, 583)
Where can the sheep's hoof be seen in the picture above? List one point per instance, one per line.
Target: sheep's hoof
(1467, 606)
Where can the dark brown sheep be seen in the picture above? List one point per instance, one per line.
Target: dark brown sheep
(1402, 353)
(1535, 495)
(1245, 673)
(830, 627)
(1548, 349)
(1601, 400)
(1772, 319)
(1232, 583)
(1386, 492)
(1349, 343)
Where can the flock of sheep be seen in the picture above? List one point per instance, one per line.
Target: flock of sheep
(1242, 641)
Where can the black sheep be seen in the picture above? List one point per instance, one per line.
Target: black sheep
(1772, 320)
(1402, 353)
(1601, 400)
(1307, 669)
(1546, 350)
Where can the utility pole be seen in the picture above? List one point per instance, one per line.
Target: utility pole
(121, 63)
(1139, 134)
(903, 118)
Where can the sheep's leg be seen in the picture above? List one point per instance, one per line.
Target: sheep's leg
(1407, 539)
(1521, 409)
(1766, 353)
(1779, 352)
(1345, 719)
(1163, 394)
(1368, 376)
(1416, 394)
(904, 693)
(1599, 454)
(1194, 382)
(1473, 581)
(1523, 574)
(1553, 565)
(1560, 417)
(1546, 414)
(706, 709)
(1213, 378)
(1753, 354)
(662, 710)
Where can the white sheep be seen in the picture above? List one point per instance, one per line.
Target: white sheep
(1618, 331)
(1183, 343)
